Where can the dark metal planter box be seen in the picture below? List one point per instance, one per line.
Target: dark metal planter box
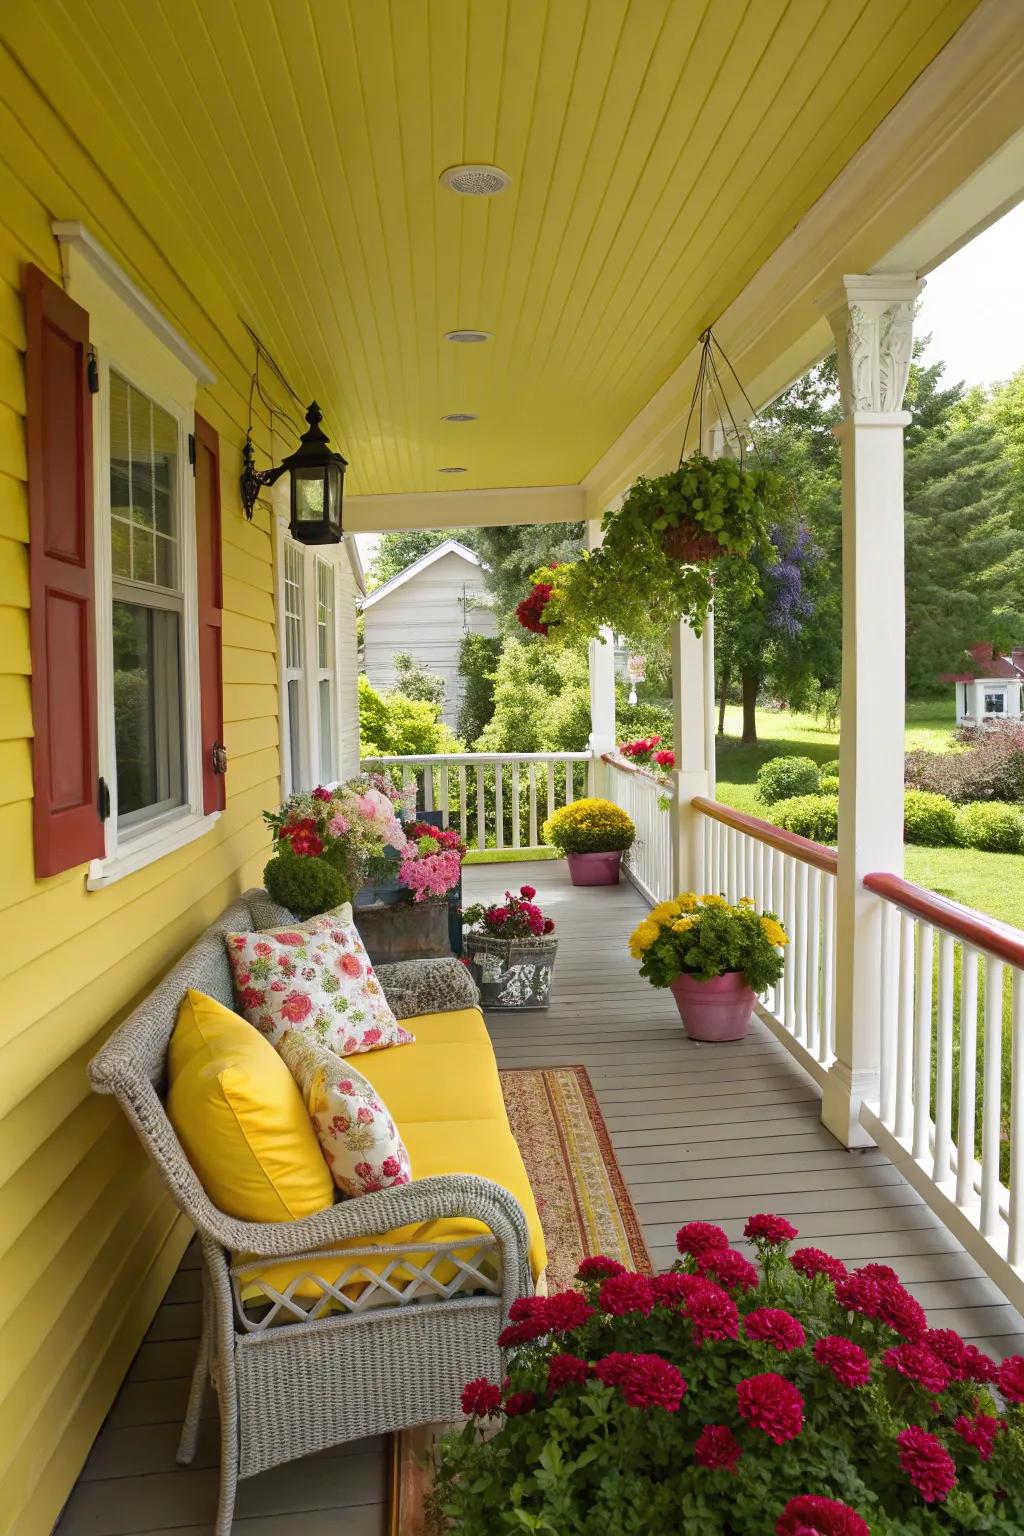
(512, 973)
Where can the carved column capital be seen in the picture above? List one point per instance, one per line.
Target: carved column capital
(872, 319)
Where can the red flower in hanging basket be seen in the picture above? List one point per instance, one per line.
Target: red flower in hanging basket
(530, 612)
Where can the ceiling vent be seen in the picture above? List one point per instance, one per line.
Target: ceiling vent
(452, 469)
(475, 180)
(467, 336)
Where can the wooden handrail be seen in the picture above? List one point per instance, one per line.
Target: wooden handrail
(964, 923)
(815, 854)
(620, 763)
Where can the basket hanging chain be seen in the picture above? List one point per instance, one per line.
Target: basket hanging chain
(709, 383)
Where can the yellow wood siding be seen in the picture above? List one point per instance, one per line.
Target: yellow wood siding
(87, 1241)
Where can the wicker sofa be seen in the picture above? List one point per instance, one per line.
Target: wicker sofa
(385, 1336)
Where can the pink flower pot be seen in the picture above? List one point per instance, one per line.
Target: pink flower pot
(594, 868)
(718, 1009)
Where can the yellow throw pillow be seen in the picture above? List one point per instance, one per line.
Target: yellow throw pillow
(239, 1115)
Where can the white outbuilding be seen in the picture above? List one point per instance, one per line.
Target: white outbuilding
(425, 611)
(991, 689)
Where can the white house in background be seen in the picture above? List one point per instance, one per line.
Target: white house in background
(426, 610)
(992, 689)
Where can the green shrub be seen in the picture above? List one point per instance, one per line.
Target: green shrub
(590, 826)
(831, 767)
(930, 820)
(813, 816)
(992, 826)
(305, 886)
(780, 778)
(830, 783)
(390, 725)
(478, 659)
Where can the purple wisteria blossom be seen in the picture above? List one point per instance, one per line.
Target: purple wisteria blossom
(788, 603)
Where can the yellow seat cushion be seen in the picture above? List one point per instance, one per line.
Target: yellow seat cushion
(459, 1026)
(484, 1147)
(436, 1082)
(240, 1117)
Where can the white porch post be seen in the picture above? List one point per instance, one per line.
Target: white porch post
(601, 657)
(872, 318)
(691, 777)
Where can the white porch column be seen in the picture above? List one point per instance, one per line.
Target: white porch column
(689, 732)
(601, 657)
(872, 318)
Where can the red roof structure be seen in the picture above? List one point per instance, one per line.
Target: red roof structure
(988, 665)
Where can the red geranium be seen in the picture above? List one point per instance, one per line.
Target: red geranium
(874, 1292)
(528, 891)
(771, 1325)
(772, 1404)
(565, 1311)
(730, 1268)
(597, 1267)
(530, 612)
(520, 1402)
(303, 838)
(645, 1381)
(712, 1312)
(981, 1432)
(917, 1363)
(700, 1237)
(527, 1307)
(927, 1464)
(1011, 1378)
(481, 1398)
(769, 1229)
(567, 1371)
(624, 1293)
(666, 758)
(966, 1362)
(522, 1332)
(849, 1364)
(673, 1287)
(716, 1447)
(810, 1515)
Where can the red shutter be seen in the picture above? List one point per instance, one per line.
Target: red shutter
(67, 824)
(211, 605)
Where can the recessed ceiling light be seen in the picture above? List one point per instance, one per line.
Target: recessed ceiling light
(460, 416)
(475, 180)
(452, 469)
(467, 336)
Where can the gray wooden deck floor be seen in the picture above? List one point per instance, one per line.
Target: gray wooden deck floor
(702, 1131)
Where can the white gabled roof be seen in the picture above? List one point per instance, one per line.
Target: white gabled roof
(449, 547)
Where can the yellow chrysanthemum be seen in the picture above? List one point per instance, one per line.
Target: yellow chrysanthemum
(681, 924)
(713, 901)
(686, 901)
(643, 937)
(774, 932)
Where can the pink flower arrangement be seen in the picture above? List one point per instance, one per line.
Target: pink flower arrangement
(517, 917)
(931, 1414)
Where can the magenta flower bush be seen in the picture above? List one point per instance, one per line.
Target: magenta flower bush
(729, 1398)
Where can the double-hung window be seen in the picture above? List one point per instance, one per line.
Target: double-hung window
(294, 606)
(326, 682)
(308, 609)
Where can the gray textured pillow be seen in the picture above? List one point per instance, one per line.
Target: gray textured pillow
(414, 987)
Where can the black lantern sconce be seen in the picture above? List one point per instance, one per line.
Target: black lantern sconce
(318, 483)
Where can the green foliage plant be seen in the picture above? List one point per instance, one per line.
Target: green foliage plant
(829, 784)
(390, 725)
(705, 937)
(930, 820)
(992, 827)
(305, 886)
(780, 778)
(638, 580)
(478, 660)
(813, 816)
(590, 826)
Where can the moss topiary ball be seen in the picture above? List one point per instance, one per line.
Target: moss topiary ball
(305, 886)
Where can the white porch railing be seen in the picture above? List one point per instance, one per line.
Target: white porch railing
(496, 800)
(740, 855)
(649, 861)
(952, 985)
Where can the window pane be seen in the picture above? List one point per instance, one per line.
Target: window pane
(143, 481)
(294, 731)
(327, 772)
(147, 711)
(293, 587)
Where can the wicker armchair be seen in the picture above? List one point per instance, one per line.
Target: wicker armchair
(298, 1379)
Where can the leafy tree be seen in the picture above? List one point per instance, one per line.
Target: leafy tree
(1004, 409)
(414, 680)
(391, 725)
(513, 554)
(541, 699)
(478, 658)
(398, 549)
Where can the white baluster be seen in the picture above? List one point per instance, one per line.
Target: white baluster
(800, 975)
(445, 806)
(570, 790)
(968, 1076)
(499, 805)
(942, 1161)
(888, 1005)
(905, 1031)
(991, 1101)
(428, 786)
(551, 789)
(481, 808)
(923, 1041)
(533, 805)
(813, 959)
(1015, 1251)
(517, 841)
(791, 926)
(758, 891)
(462, 802)
(828, 970)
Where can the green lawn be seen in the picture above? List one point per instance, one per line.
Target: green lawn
(991, 882)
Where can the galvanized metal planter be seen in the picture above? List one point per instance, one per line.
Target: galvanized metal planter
(512, 973)
(393, 931)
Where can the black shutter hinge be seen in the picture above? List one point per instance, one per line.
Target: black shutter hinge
(192, 450)
(93, 372)
(103, 800)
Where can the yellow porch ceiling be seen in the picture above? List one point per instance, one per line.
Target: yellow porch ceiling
(659, 151)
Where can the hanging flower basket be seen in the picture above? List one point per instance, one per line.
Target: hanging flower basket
(690, 544)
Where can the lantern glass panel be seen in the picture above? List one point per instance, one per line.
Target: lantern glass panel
(334, 484)
(308, 495)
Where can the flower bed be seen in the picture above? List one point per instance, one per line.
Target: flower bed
(731, 1398)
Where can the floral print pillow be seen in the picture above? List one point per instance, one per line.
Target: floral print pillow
(315, 977)
(356, 1133)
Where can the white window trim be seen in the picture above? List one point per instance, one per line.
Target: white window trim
(311, 672)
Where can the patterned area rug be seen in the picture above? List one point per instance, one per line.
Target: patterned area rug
(584, 1208)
